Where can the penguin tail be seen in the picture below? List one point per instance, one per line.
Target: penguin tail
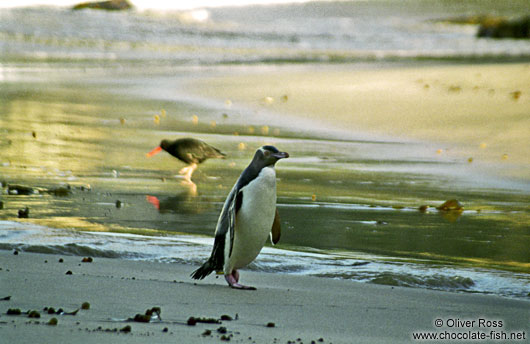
(205, 269)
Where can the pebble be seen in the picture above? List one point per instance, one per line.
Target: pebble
(34, 314)
(23, 213)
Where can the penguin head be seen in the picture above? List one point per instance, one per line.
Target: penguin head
(268, 156)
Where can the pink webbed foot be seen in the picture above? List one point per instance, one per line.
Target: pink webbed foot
(233, 279)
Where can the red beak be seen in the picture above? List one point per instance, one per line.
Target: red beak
(154, 201)
(154, 151)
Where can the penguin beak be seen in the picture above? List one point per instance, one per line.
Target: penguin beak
(280, 155)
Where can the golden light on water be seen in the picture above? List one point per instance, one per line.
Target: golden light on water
(268, 100)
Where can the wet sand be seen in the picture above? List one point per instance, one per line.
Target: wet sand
(335, 195)
(302, 307)
(472, 111)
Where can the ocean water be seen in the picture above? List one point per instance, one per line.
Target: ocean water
(79, 92)
(328, 31)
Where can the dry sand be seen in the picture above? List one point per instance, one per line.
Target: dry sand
(303, 307)
(476, 111)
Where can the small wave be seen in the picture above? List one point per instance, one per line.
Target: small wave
(451, 283)
(68, 250)
(194, 250)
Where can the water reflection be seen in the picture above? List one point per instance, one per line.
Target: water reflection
(186, 202)
(58, 135)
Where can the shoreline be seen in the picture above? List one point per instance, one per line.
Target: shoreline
(302, 307)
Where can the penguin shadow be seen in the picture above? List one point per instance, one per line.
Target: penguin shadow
(186, 202)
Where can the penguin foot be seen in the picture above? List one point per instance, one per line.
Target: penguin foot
(232, 282)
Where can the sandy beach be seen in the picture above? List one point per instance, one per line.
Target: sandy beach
(477, 111)
(303, 309)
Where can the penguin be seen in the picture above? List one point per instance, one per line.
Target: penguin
(188, 150)
(249, 216)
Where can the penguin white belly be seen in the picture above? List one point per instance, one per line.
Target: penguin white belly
(254, 220)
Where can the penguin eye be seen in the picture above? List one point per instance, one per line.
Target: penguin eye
(266, 153)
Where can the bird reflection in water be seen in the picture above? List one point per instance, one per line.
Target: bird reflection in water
(186, 202)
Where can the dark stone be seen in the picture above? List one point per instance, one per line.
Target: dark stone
(142, 318)
(503, 28)
(470, 19)
(60, 191)
(23, 213)
(423, 208)
(193, 320)
(451, 205)
(34, 314)
(111, 5)
(14, 311)
(20, 190)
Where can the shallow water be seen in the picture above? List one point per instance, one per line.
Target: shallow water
(349, 208)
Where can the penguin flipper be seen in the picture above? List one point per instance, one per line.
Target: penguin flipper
(235, 205)
(276, 229)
